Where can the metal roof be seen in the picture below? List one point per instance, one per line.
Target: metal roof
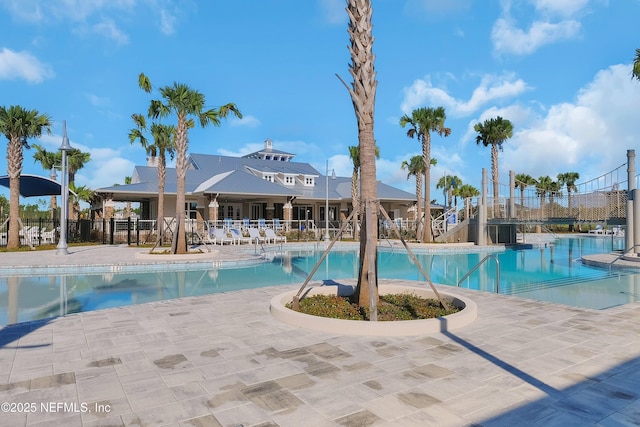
(212, 174)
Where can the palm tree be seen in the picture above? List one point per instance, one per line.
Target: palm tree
(18, 125)
(363, 94)
(568, 179)
(635, 72)
(543, 185)
(163, 144)
(449, 185)
(494, 132)
(48, 160)
(354, 154)
(127, 181)
(423, 121)
(467, 191)
(79, 194)
(184, 102)
(415, 167)
(76, 160)
(522, 181)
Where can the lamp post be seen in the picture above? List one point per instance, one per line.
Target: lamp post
(326, 206)
(61, 249)
(53, 176)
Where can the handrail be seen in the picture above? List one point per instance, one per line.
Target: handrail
(495, 258)
(626, 251)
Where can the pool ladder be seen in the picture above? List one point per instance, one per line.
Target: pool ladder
(490, 256)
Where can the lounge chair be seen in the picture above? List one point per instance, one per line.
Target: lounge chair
(262, 224)
(255, 237)
(220, 236)
(228, 223)
(598, 230)
(271, 235)
(237, 236)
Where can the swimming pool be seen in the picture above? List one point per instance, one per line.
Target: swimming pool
(551, 272)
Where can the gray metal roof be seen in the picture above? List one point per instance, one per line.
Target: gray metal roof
(212, 174)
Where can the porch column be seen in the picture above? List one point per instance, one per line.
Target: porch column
(109, 207)
(287, 212)
(213, 210)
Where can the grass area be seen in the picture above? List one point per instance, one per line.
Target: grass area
(391, 307)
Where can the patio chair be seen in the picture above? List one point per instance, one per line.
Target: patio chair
(271, 235)
(48, 236)
(228, 223)
(262, 224)
(277, 225)
(246, 223)
(255, 237)
(237, 236)
(220, 236)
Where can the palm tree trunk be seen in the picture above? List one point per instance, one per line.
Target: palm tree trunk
(14, 168)
(419, 205)
(179, 244)
(426, 154)
(363, 93)
(494, 177)
(355, 201)
(162, 174)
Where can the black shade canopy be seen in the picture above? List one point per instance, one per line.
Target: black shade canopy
(34, 185)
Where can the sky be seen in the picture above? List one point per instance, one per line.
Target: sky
(559, 70)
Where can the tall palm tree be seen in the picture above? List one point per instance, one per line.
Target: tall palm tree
(636, 65)
(423, 121)
(467, 191)
(18, 125)
(163, 145)
(494, 132)
(363, 94)
(449, 185)
(523, 181)
(568, 179)
(354, 154)
(48, 160)
(184, 102)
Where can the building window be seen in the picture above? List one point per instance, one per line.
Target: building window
(308, 181)
(190, 209)
(268, 178)
(289, 180)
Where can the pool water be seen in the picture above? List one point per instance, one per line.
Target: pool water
(551, 272)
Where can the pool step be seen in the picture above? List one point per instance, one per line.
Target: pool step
(554, 283)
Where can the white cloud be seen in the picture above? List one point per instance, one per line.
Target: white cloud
(334, 11)
(98, 101)
(491, 88)
(590, 135)
(507, 38)
(248, 121)
(562, 8)
(550, 21)
(23, 65)
(167, 22)
(109, 29)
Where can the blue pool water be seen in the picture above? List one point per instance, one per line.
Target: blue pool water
(551, 272)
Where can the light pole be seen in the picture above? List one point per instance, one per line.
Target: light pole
(326, 206)
(53, 176)
(64, 190)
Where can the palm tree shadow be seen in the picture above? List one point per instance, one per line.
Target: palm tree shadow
(12, 333)
(585, 403)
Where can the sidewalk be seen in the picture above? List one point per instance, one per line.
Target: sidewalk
(222, 360)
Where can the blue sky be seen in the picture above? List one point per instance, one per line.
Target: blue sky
(558, 69)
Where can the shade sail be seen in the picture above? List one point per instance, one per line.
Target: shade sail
(34, 185)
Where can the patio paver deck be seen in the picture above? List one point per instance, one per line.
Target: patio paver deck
(222, 360)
